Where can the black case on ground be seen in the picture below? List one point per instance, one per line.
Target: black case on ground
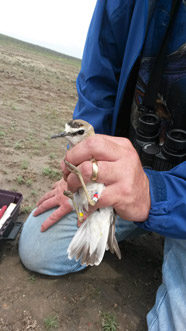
(10, 228)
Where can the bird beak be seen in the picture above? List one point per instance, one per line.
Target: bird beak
(58, 135)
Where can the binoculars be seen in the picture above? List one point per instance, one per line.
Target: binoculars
(153, 155)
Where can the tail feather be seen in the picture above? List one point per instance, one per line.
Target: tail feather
(112, 241)
(93, 237)
(85, 255)
(92, 260)
(111, 236)
(78, 253)
(77, 244)
(116, 248)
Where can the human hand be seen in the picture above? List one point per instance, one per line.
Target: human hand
(120, 169)
(52, 199)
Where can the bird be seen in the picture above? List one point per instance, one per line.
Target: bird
(97, 233)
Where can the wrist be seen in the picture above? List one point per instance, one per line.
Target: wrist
(146, 201)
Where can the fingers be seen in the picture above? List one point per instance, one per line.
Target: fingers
(57, 183)
(97, 147)
(108, 198)
(55, 217)
(131, 203)
(47, 196)
(118, 140)
(52, 198)
(111, 171)
(45, 205)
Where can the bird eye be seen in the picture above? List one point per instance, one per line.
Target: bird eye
(81, 131)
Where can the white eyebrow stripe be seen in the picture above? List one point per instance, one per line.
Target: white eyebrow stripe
(68, 128)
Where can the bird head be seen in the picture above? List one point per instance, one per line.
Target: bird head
(76, 131)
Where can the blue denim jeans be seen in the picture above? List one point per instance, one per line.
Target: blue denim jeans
(46, 253)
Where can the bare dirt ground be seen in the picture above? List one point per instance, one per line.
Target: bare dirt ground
(37, 97)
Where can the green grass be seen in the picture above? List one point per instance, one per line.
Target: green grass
(2, 133)
(51, 173)
(52, 156)
(24, 164)
(32, 278)
(20, 180)
(109, 322)
(26, 209)
(51, 322)
(29, 182)
(14, 107)
(20, 144)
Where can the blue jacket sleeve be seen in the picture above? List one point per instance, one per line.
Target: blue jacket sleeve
(168, 202)
(97, 81)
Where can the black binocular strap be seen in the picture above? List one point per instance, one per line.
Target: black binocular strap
(152, 89)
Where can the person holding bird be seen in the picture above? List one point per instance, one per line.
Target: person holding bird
(131, 89)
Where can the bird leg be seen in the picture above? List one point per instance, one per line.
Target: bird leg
(70, 195)
(77, 172)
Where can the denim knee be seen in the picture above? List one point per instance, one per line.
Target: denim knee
(46, 252)
(168, 312)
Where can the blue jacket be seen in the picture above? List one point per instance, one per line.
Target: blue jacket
(114, 41)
